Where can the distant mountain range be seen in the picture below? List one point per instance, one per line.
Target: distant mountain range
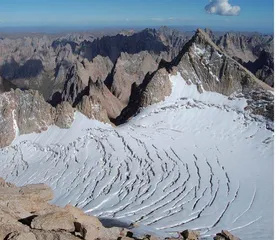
(124, 72)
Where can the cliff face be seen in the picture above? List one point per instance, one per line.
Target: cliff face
(22, 113)
(5, 85)
(203, 63)
(253, 51)
(131, 69)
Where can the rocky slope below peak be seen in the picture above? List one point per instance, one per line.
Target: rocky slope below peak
(203, 63)
(248, 49)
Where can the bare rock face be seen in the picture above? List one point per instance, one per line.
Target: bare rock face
(157, 89)
(7, 122)
(64, 115)
(23, 112)
(32, 106)
(35, 234)
(98, 92)
(37, 192)
(131, 69)
(9, 224)
(21, 236)
(54, 221)
(245, 47)
(203, 63)
(253, 51)
(260, 102)
(74, 84)
(28, 63)
(81, 72)
(98, 68)
(236, 45)
(5, 85)
(19, 202)
(92, 109)
(263, 67)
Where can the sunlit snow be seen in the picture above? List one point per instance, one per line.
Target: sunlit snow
(194, 161)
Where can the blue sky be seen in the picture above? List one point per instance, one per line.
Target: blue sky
(253, 15)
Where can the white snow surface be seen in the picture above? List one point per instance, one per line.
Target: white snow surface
(194, 161)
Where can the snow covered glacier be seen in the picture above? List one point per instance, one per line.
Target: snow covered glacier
(194, 161)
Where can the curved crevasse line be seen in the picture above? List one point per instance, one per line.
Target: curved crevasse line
(248, 208)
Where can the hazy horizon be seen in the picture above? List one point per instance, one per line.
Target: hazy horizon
(218, 15)
(75, 29)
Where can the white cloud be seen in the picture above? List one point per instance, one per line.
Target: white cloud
(222, 7)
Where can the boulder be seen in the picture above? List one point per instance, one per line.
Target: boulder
(225, 235)
(55, 221)
(190, 235)
(89, 227)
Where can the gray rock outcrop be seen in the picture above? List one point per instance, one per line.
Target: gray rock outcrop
(64, 115)
(157, 89)
(92, 109)
(23, 112)
(131, 69)
(203, 63)
(253, 51)
(98, 92)
(5, 85)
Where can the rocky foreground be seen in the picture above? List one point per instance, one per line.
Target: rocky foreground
(25, 214)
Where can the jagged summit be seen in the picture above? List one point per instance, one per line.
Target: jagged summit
(205, 64)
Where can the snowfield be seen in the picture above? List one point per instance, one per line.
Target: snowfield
(194, 161)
